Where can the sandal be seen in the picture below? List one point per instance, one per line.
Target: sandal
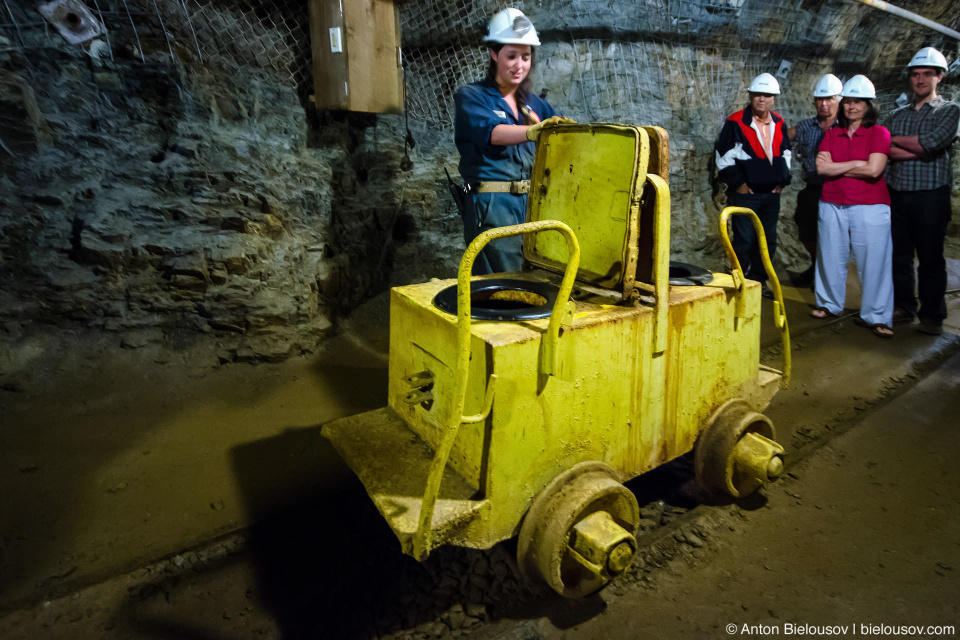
(879, 330)
(882, 331)
(820, 313)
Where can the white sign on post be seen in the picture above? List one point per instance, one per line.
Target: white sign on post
(336, 40)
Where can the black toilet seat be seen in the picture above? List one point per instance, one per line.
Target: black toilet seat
(502, 299)
(685, 275)
(508, 306)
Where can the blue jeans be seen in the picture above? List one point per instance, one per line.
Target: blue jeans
(745, 242)
(483, 211)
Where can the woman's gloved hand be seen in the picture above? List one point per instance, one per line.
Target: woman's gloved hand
(533, 132)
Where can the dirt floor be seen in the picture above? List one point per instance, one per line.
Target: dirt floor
(141, 455)
(174, 501)
(864, 533)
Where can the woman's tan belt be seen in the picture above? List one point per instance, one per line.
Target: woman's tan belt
(516, 187)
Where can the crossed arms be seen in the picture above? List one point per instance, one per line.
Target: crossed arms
(864, 169)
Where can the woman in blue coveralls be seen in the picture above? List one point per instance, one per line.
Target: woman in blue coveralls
(497, 123)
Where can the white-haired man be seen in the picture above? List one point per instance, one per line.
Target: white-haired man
(753, 160)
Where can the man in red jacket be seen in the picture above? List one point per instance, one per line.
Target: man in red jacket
(753, 160)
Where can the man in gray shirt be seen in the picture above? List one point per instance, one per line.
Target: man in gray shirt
(806, 137)
(919, 177)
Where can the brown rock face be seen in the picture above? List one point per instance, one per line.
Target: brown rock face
(210, 199)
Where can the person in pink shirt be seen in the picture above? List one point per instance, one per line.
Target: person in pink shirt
(855, 211)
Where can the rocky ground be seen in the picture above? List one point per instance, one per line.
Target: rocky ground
(861, 534)
(206, 505)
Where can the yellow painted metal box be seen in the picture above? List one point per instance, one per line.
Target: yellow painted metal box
(613, 399)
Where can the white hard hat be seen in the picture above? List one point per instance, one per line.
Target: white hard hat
(764, 83)
(510, 26)
(828, 86)
(928, 57)
(859, 87)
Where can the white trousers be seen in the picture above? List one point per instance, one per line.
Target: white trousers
(866, 229)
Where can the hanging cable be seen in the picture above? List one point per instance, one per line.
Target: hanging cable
(135, 34)
(106, 32)
(16, 26)
(409, 143)
(190, 24)
(164, 29)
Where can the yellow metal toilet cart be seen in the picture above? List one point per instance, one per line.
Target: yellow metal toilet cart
(528, 424)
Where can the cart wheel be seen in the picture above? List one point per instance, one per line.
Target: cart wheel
(736, 453)
(579, 532)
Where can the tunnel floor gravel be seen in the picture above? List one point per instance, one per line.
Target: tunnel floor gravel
(227, 534)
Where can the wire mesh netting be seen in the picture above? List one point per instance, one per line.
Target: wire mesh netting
(625, 61)
(269, 34)
(441, 51)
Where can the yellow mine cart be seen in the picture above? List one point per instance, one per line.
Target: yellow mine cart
(519, 403)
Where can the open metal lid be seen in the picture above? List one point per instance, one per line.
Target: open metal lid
(591, 177)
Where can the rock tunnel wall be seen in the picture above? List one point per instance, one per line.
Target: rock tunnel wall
(170, 182)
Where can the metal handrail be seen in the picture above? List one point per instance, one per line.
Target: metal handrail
(422, 542)
(739, 280)
(661, 261)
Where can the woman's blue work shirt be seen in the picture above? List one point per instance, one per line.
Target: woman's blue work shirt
(480, 108)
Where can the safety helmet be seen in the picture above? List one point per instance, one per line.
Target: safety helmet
(859, 87)
(928, 57)
(828, 86)
(765, 83)
(510, 26)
